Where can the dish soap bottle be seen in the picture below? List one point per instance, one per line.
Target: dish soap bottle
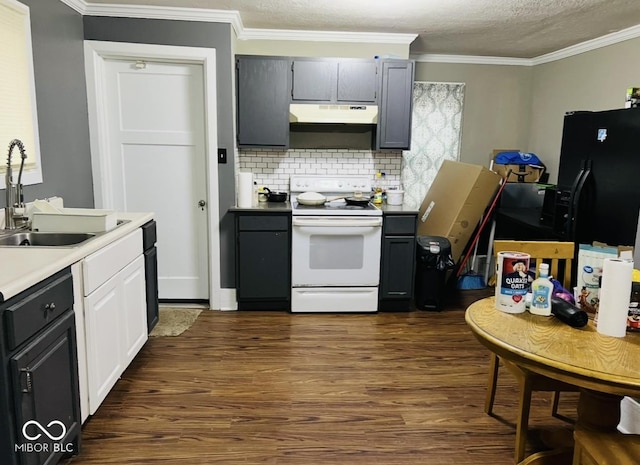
(541, 290)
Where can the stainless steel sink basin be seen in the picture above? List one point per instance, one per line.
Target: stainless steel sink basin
(44, 239)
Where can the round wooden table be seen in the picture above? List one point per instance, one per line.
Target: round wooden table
(604, 368)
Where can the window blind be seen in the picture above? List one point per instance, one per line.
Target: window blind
(18, 118)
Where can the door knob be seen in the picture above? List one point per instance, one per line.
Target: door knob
(202, 204)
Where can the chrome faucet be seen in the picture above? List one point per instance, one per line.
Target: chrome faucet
(14, 196)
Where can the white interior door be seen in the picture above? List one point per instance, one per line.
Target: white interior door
(163, 153)
(156, 162)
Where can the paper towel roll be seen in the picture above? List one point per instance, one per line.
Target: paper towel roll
(245, 190)
(614, 297)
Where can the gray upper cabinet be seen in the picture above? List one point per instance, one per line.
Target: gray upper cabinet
(334, 81)
(263, 85)
(266, 86)
(314, 80)
(358, 81)
(396, 103)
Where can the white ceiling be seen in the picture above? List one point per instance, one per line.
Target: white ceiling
(497, 28)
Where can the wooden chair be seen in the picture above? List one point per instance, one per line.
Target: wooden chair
(559, 255)
(597, 448)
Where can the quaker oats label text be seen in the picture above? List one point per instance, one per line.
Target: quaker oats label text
(513, 281)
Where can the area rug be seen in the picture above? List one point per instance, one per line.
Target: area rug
(174, 321)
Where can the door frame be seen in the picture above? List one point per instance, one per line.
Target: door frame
(95, 54)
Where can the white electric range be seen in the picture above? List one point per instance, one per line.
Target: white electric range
(335, 247)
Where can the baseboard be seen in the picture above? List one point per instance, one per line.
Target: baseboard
(629, 416)
(228, 300)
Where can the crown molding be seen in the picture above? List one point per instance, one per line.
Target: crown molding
(471, 60)
(158, 12)
(327, 36)
(233, 17)
(594, 44)
(587, 46)
(79, 5)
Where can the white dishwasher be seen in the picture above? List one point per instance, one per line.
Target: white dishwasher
(115, 314)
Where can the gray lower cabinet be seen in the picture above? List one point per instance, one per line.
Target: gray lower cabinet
(396, 105)
(262, 89)
(398, 257)
(263, 261)
(39, 387)
(324, 80)
(149, 237)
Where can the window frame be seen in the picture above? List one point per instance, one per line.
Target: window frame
(32, 173)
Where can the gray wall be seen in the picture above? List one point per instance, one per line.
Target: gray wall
(595, 80)
(61, 98)
(191, 34)
(497, 105)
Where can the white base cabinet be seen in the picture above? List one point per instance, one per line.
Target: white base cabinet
(114, 313)
(134, 305)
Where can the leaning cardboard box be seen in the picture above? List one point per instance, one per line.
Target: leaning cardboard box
(455, 202)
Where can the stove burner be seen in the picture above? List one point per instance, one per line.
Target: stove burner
(338, 187)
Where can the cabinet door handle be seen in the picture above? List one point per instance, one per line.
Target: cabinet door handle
(51, 306)
(28, 383)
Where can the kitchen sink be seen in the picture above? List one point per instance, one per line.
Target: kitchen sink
(44, 239)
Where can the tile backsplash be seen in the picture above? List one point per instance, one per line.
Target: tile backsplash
(272, 168)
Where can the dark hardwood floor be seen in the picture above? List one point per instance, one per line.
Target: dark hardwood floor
(313, 389)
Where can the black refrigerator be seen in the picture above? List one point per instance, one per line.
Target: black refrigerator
(598, 189)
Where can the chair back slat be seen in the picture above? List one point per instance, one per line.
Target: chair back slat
(552, 252)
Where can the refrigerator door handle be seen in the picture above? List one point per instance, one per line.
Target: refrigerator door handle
(577, 195)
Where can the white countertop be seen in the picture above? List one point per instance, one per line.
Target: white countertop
(22, 267)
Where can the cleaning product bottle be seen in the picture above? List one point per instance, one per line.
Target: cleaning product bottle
(541, 292)
(383, 186)
(377, 188)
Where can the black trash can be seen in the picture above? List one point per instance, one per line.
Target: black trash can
(433, 259)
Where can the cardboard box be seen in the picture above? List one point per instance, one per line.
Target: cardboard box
(455, 202)
(519, 173)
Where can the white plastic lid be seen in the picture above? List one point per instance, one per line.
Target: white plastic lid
(544, 266)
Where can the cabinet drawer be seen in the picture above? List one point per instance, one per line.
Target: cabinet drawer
(30, 314)
(100, 266)
(400, 224)
(263, 223)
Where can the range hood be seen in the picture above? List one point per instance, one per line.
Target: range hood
(333, 114)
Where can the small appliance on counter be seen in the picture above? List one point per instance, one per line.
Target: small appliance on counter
(395, 196)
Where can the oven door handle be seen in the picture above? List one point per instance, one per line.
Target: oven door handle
(337, 222)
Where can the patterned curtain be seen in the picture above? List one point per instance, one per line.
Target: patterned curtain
(435, 136)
